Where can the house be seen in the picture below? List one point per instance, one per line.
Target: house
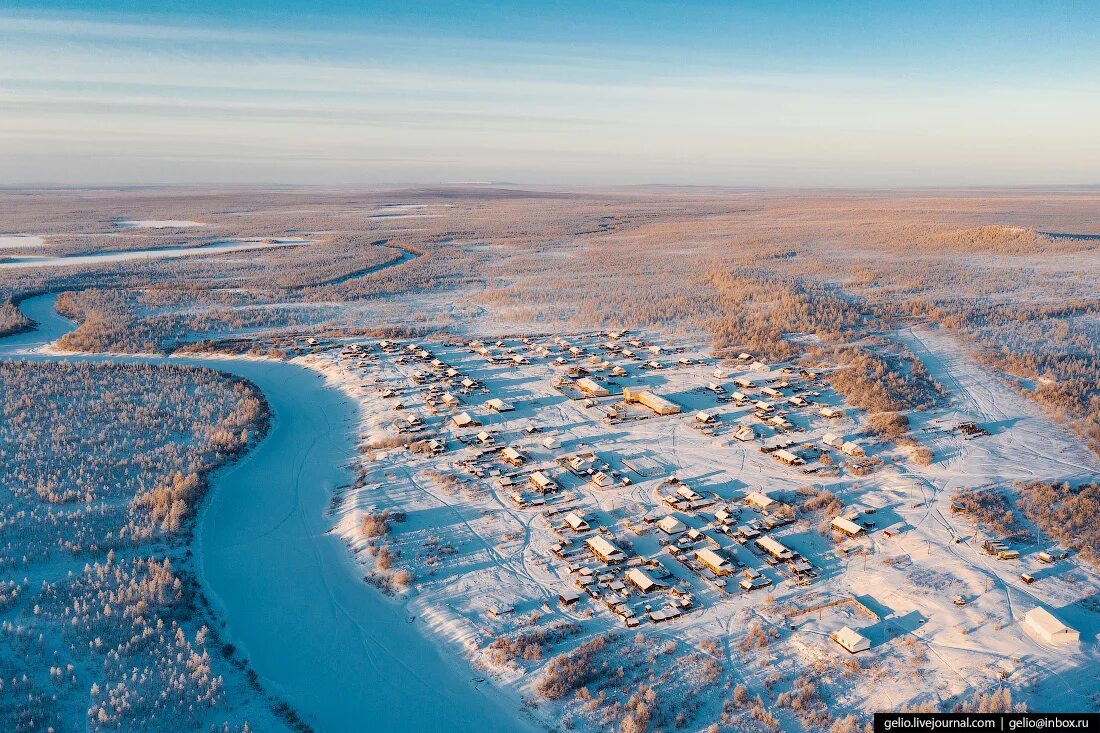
(449, 399)
(1048, 629)
(772, 392)
(576, 522)
(744, 356)
(671, 525)
(551, 442)
(774, 548)
(830, 412)
(852, 641)
(463, 420)
(760, 501)
(847, 526)
(705, 418)
(591, 387)
(739, 396)
(853, 448)
(568, 597)
(785, 456)
(745, 433)
(498, 405)
(605, 550)
(716, 388)
(468, 383)
(714, 562)
(654, 402)
(832, 440)
(485, 437)
(744, 382)
(797, 401)
(512, 456)
(642, 580)
(541, 482)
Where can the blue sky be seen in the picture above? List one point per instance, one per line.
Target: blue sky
(768, 93)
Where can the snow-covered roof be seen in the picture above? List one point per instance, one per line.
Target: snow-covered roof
(851, 640)
(671, 525)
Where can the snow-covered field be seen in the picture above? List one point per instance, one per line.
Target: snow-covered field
(20, 241)
(207, 250)
(157, 224)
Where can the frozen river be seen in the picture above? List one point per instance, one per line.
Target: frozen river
(343, 655)
(164, 253)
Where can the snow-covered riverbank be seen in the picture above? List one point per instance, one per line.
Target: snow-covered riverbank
(341, 654)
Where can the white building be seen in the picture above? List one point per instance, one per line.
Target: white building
(852, 641)
(1049, 629)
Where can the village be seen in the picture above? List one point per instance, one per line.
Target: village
(634, 482)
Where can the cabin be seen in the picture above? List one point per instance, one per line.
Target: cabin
(449, 399)
(605, 550)
(830, 413)
(568, 597)
(716, 388)
(498, 405)
(541, 482)
(485, 437)
(760, 501)
(745, 434)
(851, 641)
(468, 383)
(658, 404)
(714, 562)
(744, 382)
(705, 418)
(774, 548)
(744, 356)
(847, 526)
(671, 525)
(798, 401)
(763, 406)
(551, 442)
(853, 448)
(1047, 628)
(591, 387)
(785, 456)
(642, 580)
(463, 420)
(772, 392)
(513, 457)
(576, 522)
(832, 440)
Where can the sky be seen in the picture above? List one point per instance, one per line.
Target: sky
(556, 92)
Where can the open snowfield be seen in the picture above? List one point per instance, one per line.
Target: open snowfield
(20, 241)
(157, 224)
